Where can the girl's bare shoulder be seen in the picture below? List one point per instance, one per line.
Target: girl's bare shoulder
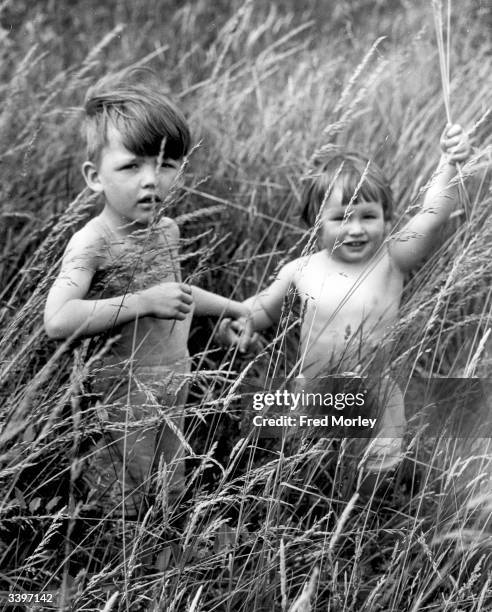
(305, 262)
(296, 270)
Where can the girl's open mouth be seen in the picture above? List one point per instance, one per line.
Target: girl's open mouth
(355, 244)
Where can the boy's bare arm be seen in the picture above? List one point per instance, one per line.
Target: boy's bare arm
(68, 314)
(414, 241)
(208, 303)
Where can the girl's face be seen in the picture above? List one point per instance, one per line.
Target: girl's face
(351, 233)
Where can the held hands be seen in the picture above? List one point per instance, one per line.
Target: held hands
(238, 332)
(455, 144)
(168, 300)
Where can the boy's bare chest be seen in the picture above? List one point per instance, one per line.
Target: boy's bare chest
(131, 265)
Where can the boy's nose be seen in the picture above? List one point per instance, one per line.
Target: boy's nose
(148, 176)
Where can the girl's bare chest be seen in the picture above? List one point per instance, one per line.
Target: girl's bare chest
(372, 291)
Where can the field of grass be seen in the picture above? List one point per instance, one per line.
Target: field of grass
(264, 86)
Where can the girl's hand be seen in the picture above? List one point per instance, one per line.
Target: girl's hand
(237, 332)
(455, 144)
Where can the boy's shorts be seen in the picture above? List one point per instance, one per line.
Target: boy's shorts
(141, 423)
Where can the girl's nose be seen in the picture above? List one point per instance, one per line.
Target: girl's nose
(354, 226)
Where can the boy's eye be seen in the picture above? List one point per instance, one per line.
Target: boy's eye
(168, 164)
(129, 166)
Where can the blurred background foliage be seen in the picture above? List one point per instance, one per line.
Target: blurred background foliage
(264, 86)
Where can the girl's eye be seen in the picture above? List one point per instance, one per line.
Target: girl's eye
(129, 166)
(168, 164)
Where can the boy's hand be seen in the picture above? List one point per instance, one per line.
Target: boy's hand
(168, 301)
(237, 332)
(455, 144)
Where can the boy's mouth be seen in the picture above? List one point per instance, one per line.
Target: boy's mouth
(151, 200)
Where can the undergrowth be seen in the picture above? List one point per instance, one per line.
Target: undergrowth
(263, 525)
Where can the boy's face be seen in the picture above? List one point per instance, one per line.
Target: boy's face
(352, 234)
(133, 186)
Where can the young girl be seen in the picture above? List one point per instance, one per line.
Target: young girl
(351, 288)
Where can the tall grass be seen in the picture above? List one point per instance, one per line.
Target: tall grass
(261, 527)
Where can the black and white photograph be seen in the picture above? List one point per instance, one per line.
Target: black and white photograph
(246, 306)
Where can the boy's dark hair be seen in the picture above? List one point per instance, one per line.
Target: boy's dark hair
(142, 114)
(335, 166)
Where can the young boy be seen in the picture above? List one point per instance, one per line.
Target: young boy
(352, 287)
(120, 277)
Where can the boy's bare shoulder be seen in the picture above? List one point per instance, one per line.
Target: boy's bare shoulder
(169, 227)
(89, 243)
(165, 233)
